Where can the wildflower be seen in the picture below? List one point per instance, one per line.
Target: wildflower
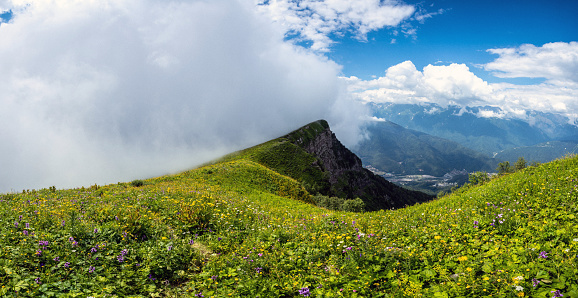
(170, 248)
(535, 282)
(191, 242)
(63, 222)
(56, 259)
(67, 264)
(260, 254)
(38, 252)
(25, 233)
(214, 277)
(258, 269)
(43, 244)
(95, 230)
(519, 288)
(37, 280)
(543, 255)
(556, 294)
(70, 239)
(200, 294)
(91, 269)
(16, 224)
(93, 250)
(120, 258)
(304, 291)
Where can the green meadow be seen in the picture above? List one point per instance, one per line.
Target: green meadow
(236, 228)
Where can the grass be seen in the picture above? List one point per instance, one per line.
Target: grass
(238, 229)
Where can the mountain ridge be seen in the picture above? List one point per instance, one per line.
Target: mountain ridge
(324, 166)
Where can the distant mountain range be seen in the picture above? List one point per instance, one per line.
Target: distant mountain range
(488, 130)
(398, 150)
(485, 129)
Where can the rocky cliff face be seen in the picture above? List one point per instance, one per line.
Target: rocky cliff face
(344, 171)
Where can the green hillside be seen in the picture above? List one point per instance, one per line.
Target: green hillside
(238, 229)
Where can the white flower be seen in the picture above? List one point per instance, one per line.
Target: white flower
(519, 288)
(519, 278)
(575, 239)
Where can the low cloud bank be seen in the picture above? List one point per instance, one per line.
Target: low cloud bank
(107, 91)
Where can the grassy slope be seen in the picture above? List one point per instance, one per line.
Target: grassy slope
(239, 229)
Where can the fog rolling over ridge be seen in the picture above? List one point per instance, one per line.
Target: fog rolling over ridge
(107, 91)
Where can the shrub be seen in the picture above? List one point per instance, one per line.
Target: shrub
(137, 183)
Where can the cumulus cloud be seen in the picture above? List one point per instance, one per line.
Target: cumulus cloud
(107, 91)
(455, 84)
(315, 21)
(556, 62)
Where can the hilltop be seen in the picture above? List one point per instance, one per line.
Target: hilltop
(238, 228)
(313, 156)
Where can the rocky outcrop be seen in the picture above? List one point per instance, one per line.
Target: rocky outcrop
(345, 173)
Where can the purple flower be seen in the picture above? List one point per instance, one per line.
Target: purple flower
(16, 224)
(37, 280)
(63, 222)
(535, 282)
(91, 269)
(44, 244)
(25, 233)
(67, 264)
(191, 242)
(95, 230)
(258, 269)
(170, 248)
(200, 294)
(56, 259)
(543, 255)
(70, 239)
(556, 294)
(304, 291)
(124, 252)
(214, 277)
(38, 252)
(120, 258)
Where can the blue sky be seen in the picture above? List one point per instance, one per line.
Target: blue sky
(460, 34)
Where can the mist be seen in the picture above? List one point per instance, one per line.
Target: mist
(109, 91)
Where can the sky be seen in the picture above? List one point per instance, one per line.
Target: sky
(101, 91)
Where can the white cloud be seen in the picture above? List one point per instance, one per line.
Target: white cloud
(403, 83)
(455, 84)
(557, 62)
(315, 21)
(107, 91)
